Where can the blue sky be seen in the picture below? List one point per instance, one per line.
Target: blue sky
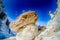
(14, 8)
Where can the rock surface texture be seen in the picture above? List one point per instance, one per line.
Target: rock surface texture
(24, 19)
(5, 30)
(25, 26)
(52, 31)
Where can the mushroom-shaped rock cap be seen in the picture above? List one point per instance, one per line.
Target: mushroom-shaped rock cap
(26, 18)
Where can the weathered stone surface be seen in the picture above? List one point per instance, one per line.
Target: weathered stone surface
(11, 38)
(5, 30)
(25, 26)
(26, 18)
(28, 33)
(52, 31)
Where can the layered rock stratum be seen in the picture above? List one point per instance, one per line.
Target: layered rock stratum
(24, 19)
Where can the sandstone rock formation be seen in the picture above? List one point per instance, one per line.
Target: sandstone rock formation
(25, 26)
(29, 33)
(26, 18)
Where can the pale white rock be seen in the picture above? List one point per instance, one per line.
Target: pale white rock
(28, 33)
(51, 15)
(52, 31)
(11, 38)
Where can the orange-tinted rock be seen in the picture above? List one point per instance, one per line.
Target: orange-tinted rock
(26, 18)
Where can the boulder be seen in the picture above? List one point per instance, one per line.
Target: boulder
(26, 18)
(25, 26)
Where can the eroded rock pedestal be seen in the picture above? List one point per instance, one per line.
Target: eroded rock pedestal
(25, 26)
(26, 18)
